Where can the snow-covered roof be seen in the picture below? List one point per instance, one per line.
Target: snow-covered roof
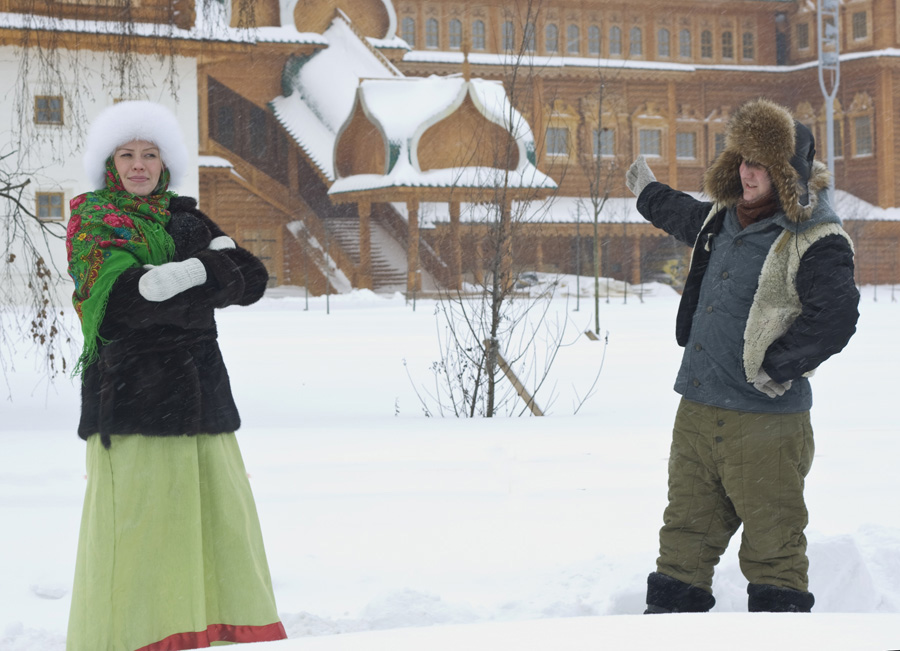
(616, 210)
(508, 60)
(287, 34)
(393, 42)
(404, 109)
(211, 24)
(213, 161)
(322, 92)
(400, 107)
(455, 177)
(554, 210)
(851, 208)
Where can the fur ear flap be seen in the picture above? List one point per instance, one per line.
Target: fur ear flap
(766, 133)
(722, 181)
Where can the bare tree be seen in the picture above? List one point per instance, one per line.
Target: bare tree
(498, 336)
(599, 158)
(139, 62)
(599, 169)
(29, 311)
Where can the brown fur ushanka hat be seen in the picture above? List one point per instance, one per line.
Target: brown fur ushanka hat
(766, 133)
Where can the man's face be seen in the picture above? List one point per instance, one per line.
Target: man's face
(755, 180)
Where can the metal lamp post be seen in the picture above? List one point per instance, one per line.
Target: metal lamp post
(829, 73)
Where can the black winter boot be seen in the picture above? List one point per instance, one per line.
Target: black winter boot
(668, 595)
(772, 599)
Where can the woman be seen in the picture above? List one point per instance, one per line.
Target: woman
(170, 554)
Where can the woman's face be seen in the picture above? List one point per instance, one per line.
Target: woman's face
(139, 166)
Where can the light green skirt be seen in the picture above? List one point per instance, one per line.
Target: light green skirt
(170, 554)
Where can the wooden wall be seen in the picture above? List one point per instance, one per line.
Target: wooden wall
(180, 13)
(877, 246)
(252, 223)
(466, 138)
(632, 252)
(369, 17)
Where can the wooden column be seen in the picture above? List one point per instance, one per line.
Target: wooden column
(635, 260)
(506, 245)
(455, 279)
(539, 252)
(673, 137)
(412, 247)
(203, 111)
(598, 251)
(479, 257)
(884, 139)
(364, 208)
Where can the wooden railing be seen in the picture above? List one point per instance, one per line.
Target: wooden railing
(396, 226)
(259, 146)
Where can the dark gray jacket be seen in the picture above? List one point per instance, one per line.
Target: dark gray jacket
(722, 290)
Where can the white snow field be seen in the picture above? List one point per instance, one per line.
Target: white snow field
(389, 530)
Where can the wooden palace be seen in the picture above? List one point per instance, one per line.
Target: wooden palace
(376, 144)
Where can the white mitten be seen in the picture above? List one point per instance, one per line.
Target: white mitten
(770, 387)
(638, 176)
(165, 281)
(221, 242)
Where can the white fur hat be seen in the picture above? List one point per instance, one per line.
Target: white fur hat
(134, 120)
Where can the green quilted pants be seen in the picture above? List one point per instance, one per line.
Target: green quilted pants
(729, 468)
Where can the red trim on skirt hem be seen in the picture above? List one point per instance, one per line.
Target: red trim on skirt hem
(218, 633)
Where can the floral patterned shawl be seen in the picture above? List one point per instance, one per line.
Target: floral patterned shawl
(109, 231)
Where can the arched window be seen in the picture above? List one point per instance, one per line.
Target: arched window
(684, 43)
(862, 135)
(604, 143)
(478, 35)
(861, 122)
(455, 34)
(706, 44)
(408, 31)
(509, 36)
(859, 23)
(748, 51)
(650, 142)
(662, 43)
(636, 47)
(727, 45)
(530, 39)
(557, 141)
(432, 33)
(551, 38)
(615, 40)
(594, 40)
(573, 40)
(650, 130)
(803, 36)
(686, 145)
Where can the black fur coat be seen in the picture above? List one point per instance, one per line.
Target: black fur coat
(161, 372)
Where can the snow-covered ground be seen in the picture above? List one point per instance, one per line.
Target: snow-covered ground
(389, 530)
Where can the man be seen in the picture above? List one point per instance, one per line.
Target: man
(770, 295)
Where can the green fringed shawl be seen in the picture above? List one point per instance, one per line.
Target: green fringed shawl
(109, 231)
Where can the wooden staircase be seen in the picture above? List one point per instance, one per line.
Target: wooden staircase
(281, 175)
(388, 271)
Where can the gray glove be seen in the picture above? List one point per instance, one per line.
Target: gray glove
(221, 242)
(638, 176)
(769, 386)
(165, 281)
